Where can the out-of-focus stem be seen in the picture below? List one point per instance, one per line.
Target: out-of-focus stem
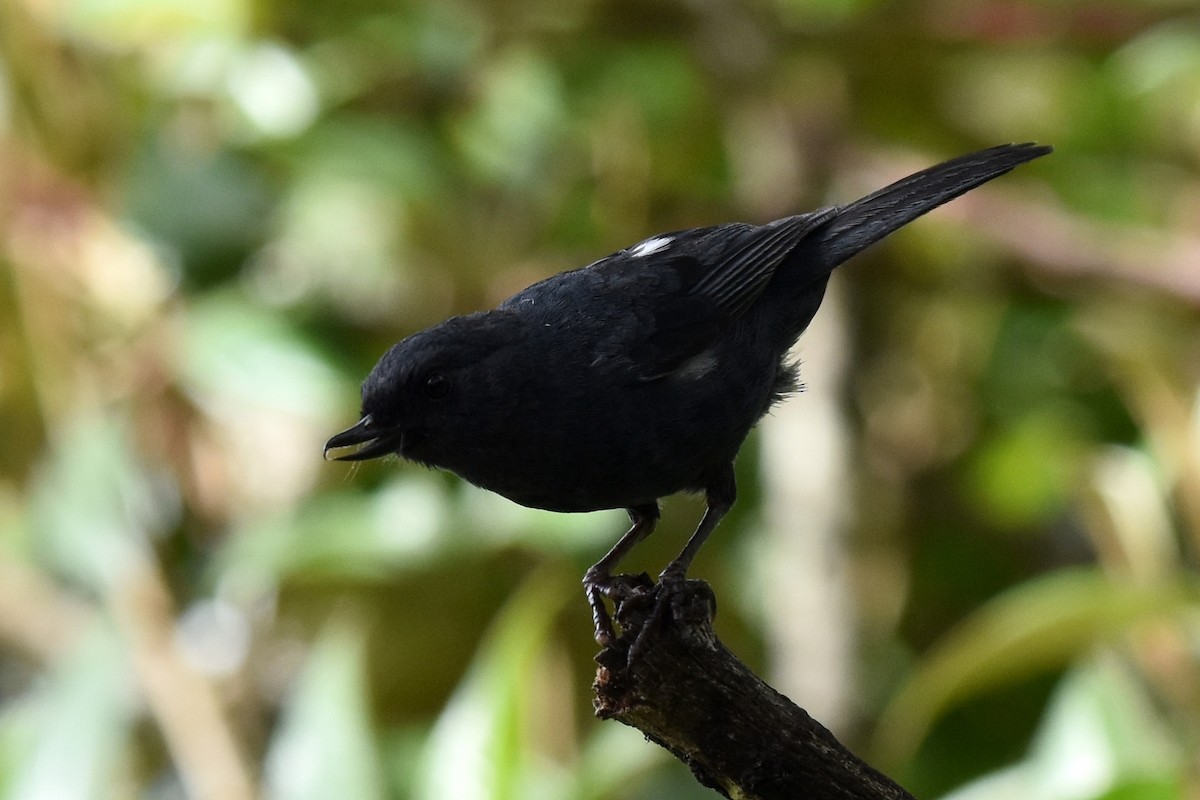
(184, 704)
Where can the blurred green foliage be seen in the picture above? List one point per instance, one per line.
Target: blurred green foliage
(215, 216)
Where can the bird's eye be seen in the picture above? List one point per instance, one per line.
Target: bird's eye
(437, 386)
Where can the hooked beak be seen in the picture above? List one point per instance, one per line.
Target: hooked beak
(375, 443)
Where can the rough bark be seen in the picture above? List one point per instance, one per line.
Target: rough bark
(668, 676)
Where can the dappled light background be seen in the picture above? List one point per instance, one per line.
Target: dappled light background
(969, 546)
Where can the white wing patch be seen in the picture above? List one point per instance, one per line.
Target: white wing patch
(697, 366)
(651, 246)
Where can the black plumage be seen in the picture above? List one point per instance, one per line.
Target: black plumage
(640, 375)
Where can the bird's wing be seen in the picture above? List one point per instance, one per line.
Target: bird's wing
(643, 312)
(718, 274)
(736, 277)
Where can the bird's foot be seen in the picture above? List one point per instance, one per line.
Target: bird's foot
(673, 598)
(619, 588)
(673, 575)
(640, 604)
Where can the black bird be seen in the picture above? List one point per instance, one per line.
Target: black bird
(637, 376)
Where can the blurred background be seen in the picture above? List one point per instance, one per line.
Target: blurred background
(969, 547)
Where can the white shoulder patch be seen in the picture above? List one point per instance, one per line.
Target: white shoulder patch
(651, 246)
(697, 366)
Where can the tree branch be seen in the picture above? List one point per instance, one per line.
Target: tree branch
(668, 676)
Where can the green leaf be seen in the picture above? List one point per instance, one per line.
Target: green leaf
(1101, 730)
(149, 22)
(69, 737)
(371, 536)
(94, 507)
(613, 757)
(410, 522)
(238, 356)
(483, 747)
(1101, 738)
(1038, 626)
(325, 746)
(518, 121)
(1026, 473)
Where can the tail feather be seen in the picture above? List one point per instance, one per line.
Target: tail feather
(864, 222)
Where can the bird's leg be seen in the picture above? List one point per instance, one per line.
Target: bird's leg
(598, 581)
(720, 495)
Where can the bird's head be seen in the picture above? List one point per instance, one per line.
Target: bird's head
(424, 394)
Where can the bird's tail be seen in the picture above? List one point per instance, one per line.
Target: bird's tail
(862, 223)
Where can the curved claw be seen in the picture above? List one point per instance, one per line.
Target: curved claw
(619, 588)
(596, 586)
(673, 574)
